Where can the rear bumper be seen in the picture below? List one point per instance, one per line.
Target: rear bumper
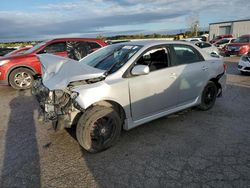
(222, 81)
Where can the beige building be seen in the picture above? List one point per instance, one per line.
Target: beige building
(236, 28)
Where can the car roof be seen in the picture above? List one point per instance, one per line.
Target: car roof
(73, 39)
(245, 36)
(148, 43)
(66, 38)
(225, 35)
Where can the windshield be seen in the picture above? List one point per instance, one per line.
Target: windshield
(111, 58)
(241, 40)
(35, 47)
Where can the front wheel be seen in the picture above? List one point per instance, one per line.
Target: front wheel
(98, 128)
(21, 78)
(208, 97)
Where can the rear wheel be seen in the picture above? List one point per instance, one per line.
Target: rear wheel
(98, 128)
(21, 78)
(209, 95)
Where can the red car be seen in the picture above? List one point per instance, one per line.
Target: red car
(18, 70)
(240, 46)
(219, 37)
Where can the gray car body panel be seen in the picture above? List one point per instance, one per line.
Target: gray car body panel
(132, 93)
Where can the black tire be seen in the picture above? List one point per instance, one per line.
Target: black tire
(21, 78)
(98, 128)
(208, 97)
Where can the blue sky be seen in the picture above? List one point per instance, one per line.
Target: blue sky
(45, 19)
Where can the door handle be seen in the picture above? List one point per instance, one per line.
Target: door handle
(204, 68)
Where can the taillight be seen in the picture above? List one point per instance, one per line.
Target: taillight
(225, 66)
(244, 47)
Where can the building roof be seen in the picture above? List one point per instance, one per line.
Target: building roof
(230, 21)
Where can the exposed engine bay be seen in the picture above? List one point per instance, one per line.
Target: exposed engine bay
(57, 105)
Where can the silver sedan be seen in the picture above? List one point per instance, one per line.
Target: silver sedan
(125, 85)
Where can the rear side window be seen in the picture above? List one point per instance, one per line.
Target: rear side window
(78, 50)
(94, 45)
(55, 48)
(202, 44)
(206, 45)
(184, 54)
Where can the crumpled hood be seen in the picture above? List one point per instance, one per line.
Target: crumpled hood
(58, 71)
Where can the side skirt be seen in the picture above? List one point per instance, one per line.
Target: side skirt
(130, 124)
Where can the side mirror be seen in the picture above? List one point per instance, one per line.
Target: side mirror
(140, 70)
(213, 54)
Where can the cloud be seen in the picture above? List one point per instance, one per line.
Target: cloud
(90, 18)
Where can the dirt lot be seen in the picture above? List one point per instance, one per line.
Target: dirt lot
(188, 149)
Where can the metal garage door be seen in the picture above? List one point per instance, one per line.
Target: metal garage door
(225, 30)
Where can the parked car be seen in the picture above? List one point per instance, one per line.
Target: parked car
(4, 51)
(209, 48)
(17, 51)
(240, 46)
(219, 37)
(194, 39)
(223, 42)
(244, 64)
(124, 85)
(18, 70)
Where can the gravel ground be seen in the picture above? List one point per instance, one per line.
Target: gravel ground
(188, 149)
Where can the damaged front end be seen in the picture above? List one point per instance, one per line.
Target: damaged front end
(54, 90)
(57, 105)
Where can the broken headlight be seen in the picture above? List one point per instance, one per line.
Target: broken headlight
(74, 95)
(61, 98)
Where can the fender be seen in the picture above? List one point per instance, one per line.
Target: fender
(20, 66)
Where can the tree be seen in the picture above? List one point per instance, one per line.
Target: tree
(193, 24)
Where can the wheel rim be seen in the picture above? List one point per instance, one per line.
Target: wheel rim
(102, 131)
(22, 79)
(210, 94)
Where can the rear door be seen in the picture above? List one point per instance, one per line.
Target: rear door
(194, 75)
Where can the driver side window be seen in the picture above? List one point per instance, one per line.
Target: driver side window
(155, 58)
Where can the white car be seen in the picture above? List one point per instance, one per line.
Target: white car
(223, 42)
(209, 48)
(195, 39)
(244, 64)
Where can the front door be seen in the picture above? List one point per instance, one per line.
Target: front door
(156, 91)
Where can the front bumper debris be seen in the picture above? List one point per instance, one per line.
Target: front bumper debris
(56, 105)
